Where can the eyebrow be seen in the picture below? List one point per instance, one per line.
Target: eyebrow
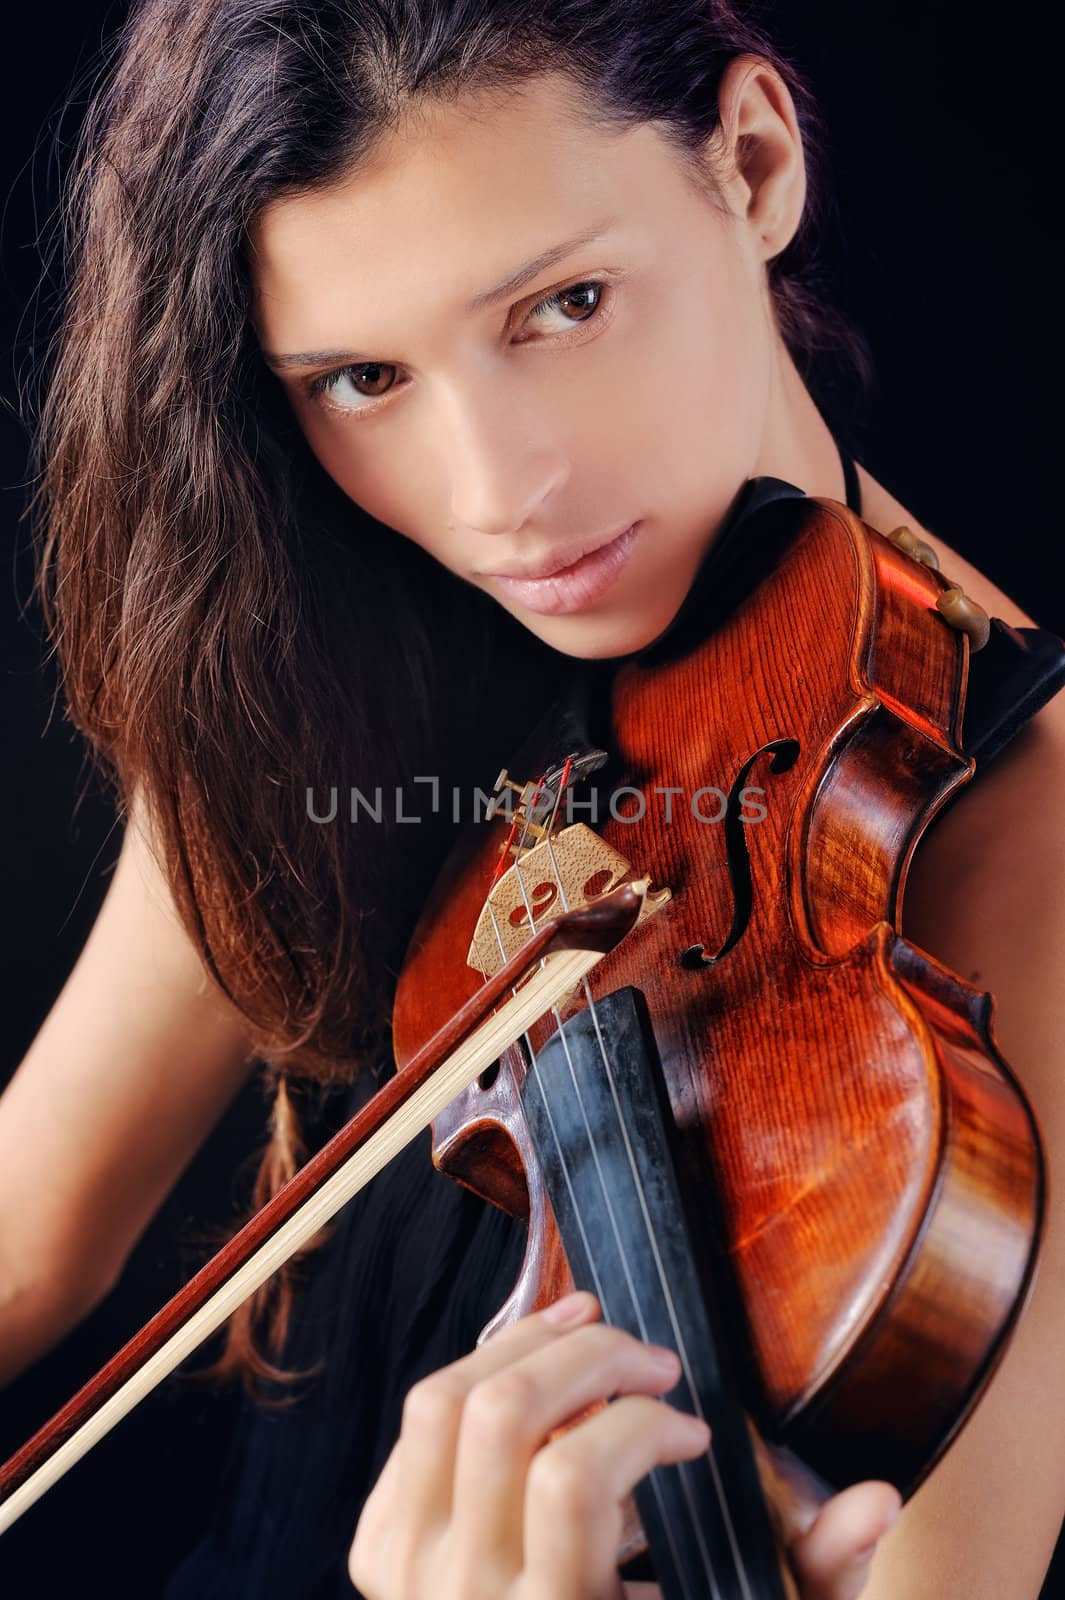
(507, 286)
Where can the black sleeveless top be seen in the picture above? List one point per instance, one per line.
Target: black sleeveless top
(417, 1265)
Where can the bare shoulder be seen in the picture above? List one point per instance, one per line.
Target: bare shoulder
(986, 895)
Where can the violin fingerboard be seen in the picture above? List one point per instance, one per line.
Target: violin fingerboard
(593, 1102)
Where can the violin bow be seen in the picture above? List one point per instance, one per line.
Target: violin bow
(547, 967)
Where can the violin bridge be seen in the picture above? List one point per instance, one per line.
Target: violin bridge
(565, 871)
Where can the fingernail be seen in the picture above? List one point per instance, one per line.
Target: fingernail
(571, 1308)
(663, 1358)
(698, 1427)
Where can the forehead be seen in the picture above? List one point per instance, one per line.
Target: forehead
(447, 202)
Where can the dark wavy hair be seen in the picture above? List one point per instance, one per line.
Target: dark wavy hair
(231, 629)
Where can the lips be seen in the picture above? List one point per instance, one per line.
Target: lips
(575, 585)
(559, 560)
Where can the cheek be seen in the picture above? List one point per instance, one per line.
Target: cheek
(361, 473)
(686, 396)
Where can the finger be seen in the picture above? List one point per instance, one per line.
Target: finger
(510, 1414)
(576, 1485)
(368, 1554)
(833, 1557)
(376, 1515)
(432, 1410)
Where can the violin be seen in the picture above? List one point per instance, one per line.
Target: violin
(684, 1038)
(770, 1133)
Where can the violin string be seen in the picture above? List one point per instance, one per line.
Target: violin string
(663, 1278)
(653, 1477)
(684, 1468)
(626, 1264)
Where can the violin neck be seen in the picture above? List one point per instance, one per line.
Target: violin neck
(593, 1101)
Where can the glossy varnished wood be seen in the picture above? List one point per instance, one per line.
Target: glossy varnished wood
(852, 1144)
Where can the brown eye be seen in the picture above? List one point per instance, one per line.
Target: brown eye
(357, 387)
(337, 387)
(372, 373)
(584, 299)
(581, 298)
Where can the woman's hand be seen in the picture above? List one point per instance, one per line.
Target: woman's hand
(476, 1502)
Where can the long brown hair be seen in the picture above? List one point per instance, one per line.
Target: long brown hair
(231, 630)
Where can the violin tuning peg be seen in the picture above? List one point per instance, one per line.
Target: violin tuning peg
(965, 615)
(905, 538)
(908, 542)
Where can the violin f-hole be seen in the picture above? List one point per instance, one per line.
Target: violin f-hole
(785, 753)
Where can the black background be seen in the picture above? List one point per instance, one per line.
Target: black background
(945, 249)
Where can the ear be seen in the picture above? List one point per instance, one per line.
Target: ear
(758, 153)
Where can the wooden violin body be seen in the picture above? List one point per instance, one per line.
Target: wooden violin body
(862, 1174)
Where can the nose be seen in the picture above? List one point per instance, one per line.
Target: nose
(503, 466)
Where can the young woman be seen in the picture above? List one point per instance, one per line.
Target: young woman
(413, 354)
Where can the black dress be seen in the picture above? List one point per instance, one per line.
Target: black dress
(417, 1265)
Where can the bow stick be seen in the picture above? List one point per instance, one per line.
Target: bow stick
(564, 949)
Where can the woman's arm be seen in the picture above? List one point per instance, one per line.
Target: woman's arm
(986, 895)
(137, 1059)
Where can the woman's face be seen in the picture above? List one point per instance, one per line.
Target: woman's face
(595, 412)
